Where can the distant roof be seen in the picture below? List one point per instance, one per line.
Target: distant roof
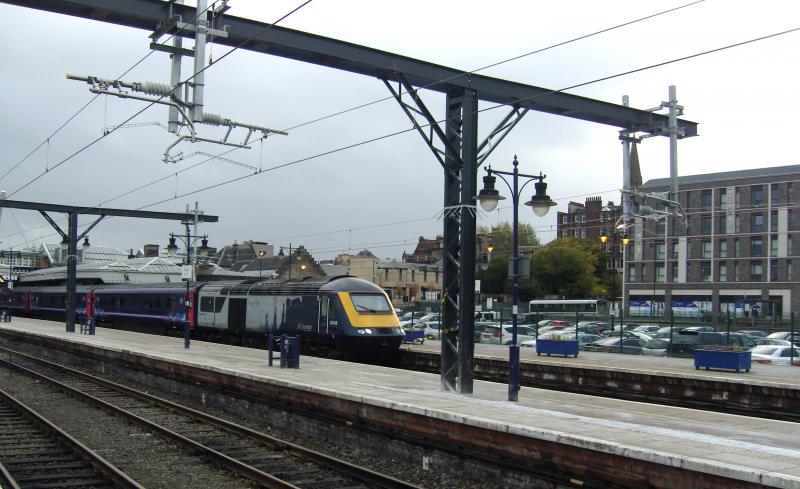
(96, 254)
(365, 254)
(727, 175)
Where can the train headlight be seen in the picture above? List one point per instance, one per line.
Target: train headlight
(367, 331)
(361, 331)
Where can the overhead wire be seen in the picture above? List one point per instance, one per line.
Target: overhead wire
(601, 31)
(490, 108)
(115, 128)
(89, 102)
(412, 129)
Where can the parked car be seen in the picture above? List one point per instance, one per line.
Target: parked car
(583, 340)
(503, 335)
(709, 329)
(655, 347)
(754, 333)
(772, 341)
(407, 316)
(685, 342)
(433, 330)
(775, 355)
(784, 335)
(612, 345)
(615, 331)
(663, 332)
(647, 329)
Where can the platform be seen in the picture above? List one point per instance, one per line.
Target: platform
(628, 443)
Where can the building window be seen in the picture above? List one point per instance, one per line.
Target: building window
(773, 221)
(737, 248)
(674, 247)
(756, 271)
(737, 224)
(756, 247)
(773, 270)
(789, 247)
(705, 271)
(564, 219)
(757, 195)
(661, 226)
(583, 217)
(789, 225)
(413, 272)
(583, 233)
(705, 196)
(737, 275)
(661, 275)
(723, 248)
(775, 193)
(632, 273)
(660, 251)
(674, 272)
(706, 249)
(723, 197)
(705, 225)
(790, 193)
(773, 245)
(789, 271)
(737, 198)
(723, 225)
(757, 223)
(723, 272)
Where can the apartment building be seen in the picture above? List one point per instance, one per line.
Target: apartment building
(735, 253)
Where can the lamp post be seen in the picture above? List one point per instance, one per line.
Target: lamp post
(541, 203)
(615, 239)
(172, 250)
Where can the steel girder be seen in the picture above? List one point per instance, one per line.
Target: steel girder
(302, 46)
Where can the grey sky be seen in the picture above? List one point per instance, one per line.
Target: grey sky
(741, 97)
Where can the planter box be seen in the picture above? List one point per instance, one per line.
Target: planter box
(733, 360)
(557, 347)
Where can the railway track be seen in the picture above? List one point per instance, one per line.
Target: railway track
(264, 459)
(34, 453)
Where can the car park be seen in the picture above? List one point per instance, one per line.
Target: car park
(685, 342)
(615, 331)
(775, 355)
(417, 315)
(663, 332)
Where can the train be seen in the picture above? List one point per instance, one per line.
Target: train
(339, 316)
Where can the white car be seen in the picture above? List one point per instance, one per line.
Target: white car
(492, 334)
(774, 355)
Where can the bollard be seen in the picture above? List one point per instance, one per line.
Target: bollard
(293, 360)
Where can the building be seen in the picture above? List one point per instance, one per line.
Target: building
(427, 251)
(587, 220)
(734, 254)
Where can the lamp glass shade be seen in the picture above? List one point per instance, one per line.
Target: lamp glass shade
(488, 203)
(540, 208)
(203, 250)
(172, 248)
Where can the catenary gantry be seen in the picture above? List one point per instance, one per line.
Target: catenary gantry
(461, 154)
(72, 238)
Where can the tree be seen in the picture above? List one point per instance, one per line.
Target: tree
(494, 278)
(566, 268)
(502, 237)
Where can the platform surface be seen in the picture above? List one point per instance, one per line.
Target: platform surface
(760, 374)
(749, 449)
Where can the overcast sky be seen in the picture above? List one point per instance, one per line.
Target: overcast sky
(384, 195)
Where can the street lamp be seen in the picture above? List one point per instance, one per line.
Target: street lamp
(541, 204)
(172, 250)
(261, 254)
(615, 239)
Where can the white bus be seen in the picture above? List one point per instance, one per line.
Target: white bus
(568, 308)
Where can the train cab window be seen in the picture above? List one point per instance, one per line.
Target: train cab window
(206, 304)
(218, 303)
(374, 303)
